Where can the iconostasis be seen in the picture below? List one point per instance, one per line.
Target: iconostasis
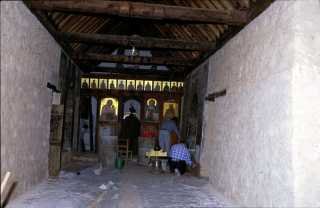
(152, 100)
(131, 85)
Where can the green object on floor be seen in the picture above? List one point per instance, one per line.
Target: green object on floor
(119, 163)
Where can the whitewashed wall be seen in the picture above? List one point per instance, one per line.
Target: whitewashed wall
(251, 141)
(29, 59)
(262, 143)
(306, 103)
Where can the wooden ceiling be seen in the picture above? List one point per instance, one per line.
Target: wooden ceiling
(180, 34)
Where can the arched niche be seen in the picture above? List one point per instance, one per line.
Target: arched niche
(132, 103)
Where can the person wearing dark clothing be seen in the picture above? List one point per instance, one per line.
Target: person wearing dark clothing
(178, 167)
(131, 130)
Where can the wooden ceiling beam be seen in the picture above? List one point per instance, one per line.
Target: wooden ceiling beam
(124, 70)
(137, 41)
(131, 59)
(145, 11)
(49, 25)
(110, 26)
(154, 76)
(255, 9)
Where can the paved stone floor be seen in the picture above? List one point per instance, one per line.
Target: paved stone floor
(134, 186)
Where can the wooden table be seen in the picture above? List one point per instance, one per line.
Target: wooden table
(155, 159)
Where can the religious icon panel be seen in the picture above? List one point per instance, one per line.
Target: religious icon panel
(157, 86)
(139, 84)
(103, 83)
(112, 84)
(170, 109)
(165, 86)
(131, 84)
(180, 86)
(84, 82)
(174, 86)
(131, 106)
(94, 83)
(121, 84)
(109, 109)
(152, 110)
(147, 85)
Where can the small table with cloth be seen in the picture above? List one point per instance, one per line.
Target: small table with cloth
(155, 158)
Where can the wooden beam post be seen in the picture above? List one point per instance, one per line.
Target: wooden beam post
(137, 41)
(145, 11)
(213, 96)
(132, 59)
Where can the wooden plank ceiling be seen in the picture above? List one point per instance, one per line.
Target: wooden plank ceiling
(180, 34)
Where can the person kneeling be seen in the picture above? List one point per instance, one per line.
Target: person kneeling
(179, 158)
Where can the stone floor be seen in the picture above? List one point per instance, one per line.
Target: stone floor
(134, 186)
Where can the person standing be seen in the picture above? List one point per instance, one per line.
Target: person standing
(131, 130)
(167, 127)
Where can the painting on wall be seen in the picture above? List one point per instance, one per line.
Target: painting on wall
(157, 86)
(121, 84)
(112, 84)
(84, 82)
(152, 110)
(132, 104)
(131, 84)
(139, 85)
(170, 109)
(180, 86)
(165, 86)
(148, 85)
(94, 83)
(103, 83)
(109, 109)
(174, 86)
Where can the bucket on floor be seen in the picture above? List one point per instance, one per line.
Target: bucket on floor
(119, 163)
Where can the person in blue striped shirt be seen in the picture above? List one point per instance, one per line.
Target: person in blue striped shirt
(179, 158)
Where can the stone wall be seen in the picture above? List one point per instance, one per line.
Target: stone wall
(261, 144)
(29, 59)
(247, 153)
(306, 103)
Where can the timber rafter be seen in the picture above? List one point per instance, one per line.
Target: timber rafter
(145, 11)
(179, 34)
(137, 41)
(131, 59)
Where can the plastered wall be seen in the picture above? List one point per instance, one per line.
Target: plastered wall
(261, 141)
(249, 131)
(306, 103)
(29, 59)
